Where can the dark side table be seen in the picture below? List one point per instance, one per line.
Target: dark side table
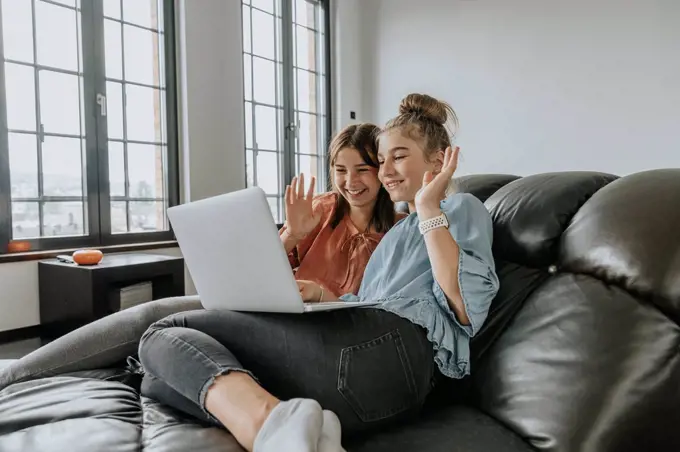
(73, 295)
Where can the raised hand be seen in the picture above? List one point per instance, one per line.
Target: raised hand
(434, 187)
(300, 216)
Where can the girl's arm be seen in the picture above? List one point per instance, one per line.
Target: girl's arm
(444, 256)
(289, 242)
(462, 261)
(312, 292)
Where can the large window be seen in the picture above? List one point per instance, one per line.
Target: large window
(286, 73)
(88, 148)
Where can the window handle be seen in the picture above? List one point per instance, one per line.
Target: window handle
(101, 101)
(291, 130)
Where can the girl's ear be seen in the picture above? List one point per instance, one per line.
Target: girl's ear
(438, 161)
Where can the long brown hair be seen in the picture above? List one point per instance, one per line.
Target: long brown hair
(424, 119)
(363, 138)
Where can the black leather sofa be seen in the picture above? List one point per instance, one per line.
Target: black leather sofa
(581, 350)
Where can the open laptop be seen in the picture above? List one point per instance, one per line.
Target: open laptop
(235, 257)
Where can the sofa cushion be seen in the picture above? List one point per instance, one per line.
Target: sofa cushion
(638, 248)
(102, 410)
(451, 429)
(531, 213)
(95, 411)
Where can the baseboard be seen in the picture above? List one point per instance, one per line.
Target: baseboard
(20, 334)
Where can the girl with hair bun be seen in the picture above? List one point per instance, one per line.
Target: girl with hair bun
(281, 382)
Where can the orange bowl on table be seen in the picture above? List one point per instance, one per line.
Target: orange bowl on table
(87, 257)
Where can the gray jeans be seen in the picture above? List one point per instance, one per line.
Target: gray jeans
(369, 366)
(104, 343)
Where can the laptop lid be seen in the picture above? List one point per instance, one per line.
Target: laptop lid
(233, 252)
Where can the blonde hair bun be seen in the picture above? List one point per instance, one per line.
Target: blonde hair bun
(425, 106)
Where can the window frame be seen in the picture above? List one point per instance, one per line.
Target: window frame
(288, 126)
(97, 199)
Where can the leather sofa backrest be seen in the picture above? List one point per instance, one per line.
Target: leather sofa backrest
(586, 357)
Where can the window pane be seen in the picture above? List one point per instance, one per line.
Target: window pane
(265, 127)
(143, 109)
(142, 12)
(147, 216)
(62, 167)
(274, 207)
(25, 220)
(263, 40)
(57, 38)
(112, 8)
(114, 109)
(249, 125)
(250, 176)
(141, 56)
(268, 172)
(113, 52)
(247, 77)
(246, 29)
(264, 81)
(20, 91)
(118, 217)
(66, 2)
(305, 13)
(116, 168)
(279, 85)
(267, 5)
(59, 102)
(305, 44)
(23, 165)
(145, 171)
(17, 30)
(63, 218)
(306, 91)
(309, 167)
(308, 134)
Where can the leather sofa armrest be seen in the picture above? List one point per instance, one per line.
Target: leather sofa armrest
(102, 343)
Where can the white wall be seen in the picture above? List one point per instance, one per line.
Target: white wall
(346, 63)
(349, 62)
(212, 133)
(213, 139)
(539, 85)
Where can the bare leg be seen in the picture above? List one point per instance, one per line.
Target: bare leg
(241, 405)
(259, 421)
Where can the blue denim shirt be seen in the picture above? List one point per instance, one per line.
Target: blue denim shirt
(399, 276)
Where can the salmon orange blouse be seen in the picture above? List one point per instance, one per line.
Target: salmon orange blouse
(333, 257)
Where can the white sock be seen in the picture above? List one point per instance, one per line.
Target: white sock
(292, 426)
(331, 433)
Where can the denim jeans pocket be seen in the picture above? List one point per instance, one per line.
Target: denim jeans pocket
(376, 378)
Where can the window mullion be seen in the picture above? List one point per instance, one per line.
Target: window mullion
(5, 185)
(96, 148)
(289, 123)
(172, 138)
(38, 120)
